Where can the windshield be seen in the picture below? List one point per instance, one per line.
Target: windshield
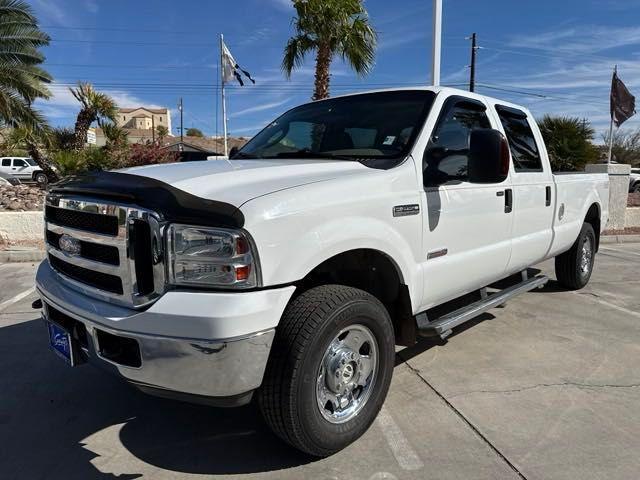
(31, 161)
(369, 127)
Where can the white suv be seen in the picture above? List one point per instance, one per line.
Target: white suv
(24, 168)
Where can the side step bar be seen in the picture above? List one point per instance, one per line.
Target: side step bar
(442, 326)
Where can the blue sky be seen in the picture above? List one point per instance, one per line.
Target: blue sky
(560, 53)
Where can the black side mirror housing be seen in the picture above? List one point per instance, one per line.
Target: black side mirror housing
(489, 156)
(233, 151)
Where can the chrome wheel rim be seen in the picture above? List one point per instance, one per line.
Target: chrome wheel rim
(586, 256)
(347, 374)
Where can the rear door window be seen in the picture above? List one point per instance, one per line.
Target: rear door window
(524, 150)
(6, 162)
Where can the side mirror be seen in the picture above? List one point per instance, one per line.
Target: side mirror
(488, 156)
(233, 151)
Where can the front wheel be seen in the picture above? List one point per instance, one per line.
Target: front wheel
(41, 178)
(574, 267)
(329, 370)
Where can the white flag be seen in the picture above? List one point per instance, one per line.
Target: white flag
(230, 68)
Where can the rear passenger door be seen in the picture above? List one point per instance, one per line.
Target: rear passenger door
(533, 191)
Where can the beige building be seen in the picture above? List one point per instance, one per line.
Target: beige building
(142, 118)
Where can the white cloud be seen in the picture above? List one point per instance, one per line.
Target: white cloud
(63, 106)
(49, 11)
(92, 6)
(258, 108)
(282, 4)
(580, 39)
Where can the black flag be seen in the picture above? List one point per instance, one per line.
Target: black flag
(623, 104)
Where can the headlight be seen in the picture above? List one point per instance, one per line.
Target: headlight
(212, 257)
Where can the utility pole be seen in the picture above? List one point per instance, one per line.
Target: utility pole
(472, 73)
(181, 129)
(224, 102)
(153, 129)
(437, 42)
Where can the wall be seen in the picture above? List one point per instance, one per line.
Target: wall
(19, 226)
(632, 217)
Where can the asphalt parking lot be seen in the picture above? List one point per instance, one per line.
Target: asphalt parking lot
(546, 388)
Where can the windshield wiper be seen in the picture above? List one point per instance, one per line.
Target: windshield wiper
(244, 155)
(306, 153)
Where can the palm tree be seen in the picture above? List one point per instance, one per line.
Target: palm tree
(116, 136)
(330, 28)
(162, 132)
(22, 81)
(96, 106)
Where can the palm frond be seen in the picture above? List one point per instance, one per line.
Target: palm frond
(295, 51)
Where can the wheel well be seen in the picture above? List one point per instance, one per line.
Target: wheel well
(593, 218)
(375, 273)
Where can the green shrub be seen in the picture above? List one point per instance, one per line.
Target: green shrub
(69, 162)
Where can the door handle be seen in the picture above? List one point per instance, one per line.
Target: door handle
(547, 202)
(508, 200)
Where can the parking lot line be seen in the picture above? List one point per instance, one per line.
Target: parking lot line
(597, 299)
(17, 298)
(609, 249)
(405, 455)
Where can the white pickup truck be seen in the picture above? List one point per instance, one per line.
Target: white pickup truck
(292, 270)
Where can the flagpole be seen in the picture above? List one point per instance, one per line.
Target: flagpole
(615, 70)
(224, 104)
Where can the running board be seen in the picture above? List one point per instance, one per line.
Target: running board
(442, 326)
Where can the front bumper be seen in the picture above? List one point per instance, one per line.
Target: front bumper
(198, 346)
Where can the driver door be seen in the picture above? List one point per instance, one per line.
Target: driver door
(466, 227)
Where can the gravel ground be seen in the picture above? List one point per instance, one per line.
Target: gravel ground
(21, 198)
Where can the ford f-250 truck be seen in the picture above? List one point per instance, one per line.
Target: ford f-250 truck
(292, 270)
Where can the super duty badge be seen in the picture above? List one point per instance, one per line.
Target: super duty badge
(405, 210)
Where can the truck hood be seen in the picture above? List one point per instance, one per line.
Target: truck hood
(238, 181)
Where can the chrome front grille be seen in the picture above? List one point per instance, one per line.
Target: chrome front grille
(110, 251)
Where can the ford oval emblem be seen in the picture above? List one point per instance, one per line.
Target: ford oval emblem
(69, 245)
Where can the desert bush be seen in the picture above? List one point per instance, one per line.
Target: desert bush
(149, 154)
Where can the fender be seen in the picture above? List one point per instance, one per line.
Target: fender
(299, 229)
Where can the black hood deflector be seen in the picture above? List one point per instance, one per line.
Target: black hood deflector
(174, 204)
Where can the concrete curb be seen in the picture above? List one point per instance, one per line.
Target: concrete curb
(10, 256)
(620, 239)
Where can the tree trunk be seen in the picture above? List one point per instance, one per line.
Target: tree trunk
(323, 65)
(34, 152)
(83, 122)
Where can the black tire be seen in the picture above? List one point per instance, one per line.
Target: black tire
(287, 397)
(571, 271)
(636, 188)
(41, 178)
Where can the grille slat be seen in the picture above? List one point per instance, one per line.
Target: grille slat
(91, 251)
(91, 222)
(103, 281)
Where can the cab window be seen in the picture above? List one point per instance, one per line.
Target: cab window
(18, 162)
(522, 143)
(6, 162)
(446, 157)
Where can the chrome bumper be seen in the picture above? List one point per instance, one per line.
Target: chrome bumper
(192, 369)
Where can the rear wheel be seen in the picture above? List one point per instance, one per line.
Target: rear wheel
(636, 188)
(574, 267)
(329, 370)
